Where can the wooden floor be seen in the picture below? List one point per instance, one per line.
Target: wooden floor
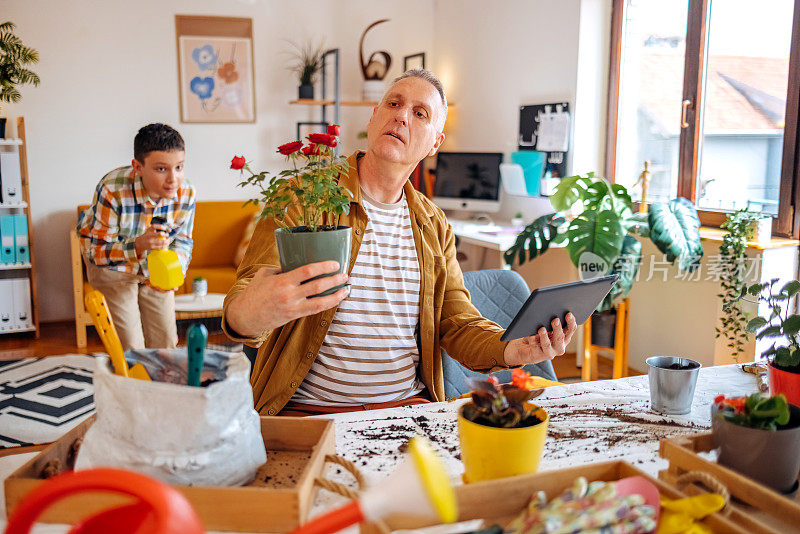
(59, 338)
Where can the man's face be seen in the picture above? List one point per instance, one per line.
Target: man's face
(404, 127)
(161, 172)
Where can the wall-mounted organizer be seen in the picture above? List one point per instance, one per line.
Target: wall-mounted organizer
(18, 295)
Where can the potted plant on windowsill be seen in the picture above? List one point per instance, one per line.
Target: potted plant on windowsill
(601, 236)
(14, 56)
(783, 357)
(759, 437)
(310, 189)
(307, 64)
(502, 434)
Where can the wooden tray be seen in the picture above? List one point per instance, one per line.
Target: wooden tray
(499, 501)
(278, 502)
(758, 508)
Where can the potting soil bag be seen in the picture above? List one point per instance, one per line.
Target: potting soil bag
(199, 436)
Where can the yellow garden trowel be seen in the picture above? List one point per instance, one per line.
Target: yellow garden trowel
(98, 309)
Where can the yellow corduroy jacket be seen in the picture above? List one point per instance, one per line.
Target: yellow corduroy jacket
(447, 318)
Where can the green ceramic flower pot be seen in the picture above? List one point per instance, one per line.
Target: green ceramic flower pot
(297, 246)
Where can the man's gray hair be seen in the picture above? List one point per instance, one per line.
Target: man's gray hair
(431, 78)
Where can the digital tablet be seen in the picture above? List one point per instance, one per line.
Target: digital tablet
(547, 303)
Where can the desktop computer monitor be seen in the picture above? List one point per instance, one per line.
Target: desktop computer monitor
(468, 181)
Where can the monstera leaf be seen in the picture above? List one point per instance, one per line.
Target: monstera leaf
(535, 238)
(626, 266)
(571, 190)
(674, 228)
(598, 232)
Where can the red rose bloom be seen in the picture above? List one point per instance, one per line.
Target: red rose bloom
(310, 150)
(333, 129)
(238, 162)
(322, 139)
(290, 148)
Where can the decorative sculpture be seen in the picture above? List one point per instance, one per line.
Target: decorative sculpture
(375, 68)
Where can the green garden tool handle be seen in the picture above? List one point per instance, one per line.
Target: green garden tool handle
(196, 338)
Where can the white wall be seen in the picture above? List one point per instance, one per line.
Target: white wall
(521, 52)
(108, 68)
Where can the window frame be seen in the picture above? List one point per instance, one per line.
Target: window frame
(787, 222)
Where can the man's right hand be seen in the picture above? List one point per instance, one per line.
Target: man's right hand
(271, 300)
(154, 238)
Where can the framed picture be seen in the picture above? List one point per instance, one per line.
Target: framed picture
(305, 128)
(215, 66)
(416, 61)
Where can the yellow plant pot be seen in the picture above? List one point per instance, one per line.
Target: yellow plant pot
(489, 452)
(165, 269)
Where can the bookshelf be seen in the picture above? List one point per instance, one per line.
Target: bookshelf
(19, 310)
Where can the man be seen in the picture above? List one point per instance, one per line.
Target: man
(380, 347)
(116, 235)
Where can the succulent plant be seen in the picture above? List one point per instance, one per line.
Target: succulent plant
(501, 405)
(754, 411)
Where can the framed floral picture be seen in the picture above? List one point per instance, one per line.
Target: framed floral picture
(215, 71)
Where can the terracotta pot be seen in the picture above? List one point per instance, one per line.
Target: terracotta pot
(784, 382)
(489, 452)
(297, 247)
(769, 457)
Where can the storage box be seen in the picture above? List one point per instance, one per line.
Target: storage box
(277, 501)
(499, 501)
(756, 507)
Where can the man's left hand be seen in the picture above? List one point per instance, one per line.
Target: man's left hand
(542, 346)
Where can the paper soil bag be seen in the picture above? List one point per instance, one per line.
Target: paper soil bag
(198, 436)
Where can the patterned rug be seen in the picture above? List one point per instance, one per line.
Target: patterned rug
(43, 398)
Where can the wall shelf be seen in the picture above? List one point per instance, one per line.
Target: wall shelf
(351, 103)
(14, 206)
(10, 141)
(12, 266)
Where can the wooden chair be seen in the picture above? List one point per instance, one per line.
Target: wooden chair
(620, 348)
(79, 289)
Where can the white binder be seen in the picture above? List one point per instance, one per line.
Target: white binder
(11, 178)
(22, 319)
(6, 305)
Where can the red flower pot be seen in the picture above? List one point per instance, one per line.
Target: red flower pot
(784, 382)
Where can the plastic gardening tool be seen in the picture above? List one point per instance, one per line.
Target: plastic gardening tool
(98, 309)
(164, 268)
(156, 508)
(196, 338)
(420, 486)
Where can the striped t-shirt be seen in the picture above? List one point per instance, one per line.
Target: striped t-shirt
(370, 352)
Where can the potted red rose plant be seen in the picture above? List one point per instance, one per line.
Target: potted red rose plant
(759, 437)
(304, 202)
(783, 357)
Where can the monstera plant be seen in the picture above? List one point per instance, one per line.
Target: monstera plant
(601, 237)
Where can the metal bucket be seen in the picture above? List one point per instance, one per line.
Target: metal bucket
(672, 390)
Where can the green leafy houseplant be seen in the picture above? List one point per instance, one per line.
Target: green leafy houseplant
(14, 56)
(780, 323)
(307, 62)
(733, 260)
(312, 183)
(601, 237)
(754, 411)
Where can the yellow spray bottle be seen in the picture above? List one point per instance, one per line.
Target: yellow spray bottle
(164, 268)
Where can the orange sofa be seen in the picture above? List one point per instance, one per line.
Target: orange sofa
(218, 230)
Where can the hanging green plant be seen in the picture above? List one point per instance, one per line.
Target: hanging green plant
(733, 268)
(14, 56)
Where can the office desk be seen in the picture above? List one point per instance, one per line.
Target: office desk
(481, 246)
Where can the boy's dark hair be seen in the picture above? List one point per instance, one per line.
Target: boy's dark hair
(156, 136)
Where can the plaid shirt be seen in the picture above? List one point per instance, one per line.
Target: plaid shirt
(121, 211)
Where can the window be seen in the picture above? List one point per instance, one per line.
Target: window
(699, 90)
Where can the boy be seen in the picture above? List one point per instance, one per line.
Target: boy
(116, 235)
